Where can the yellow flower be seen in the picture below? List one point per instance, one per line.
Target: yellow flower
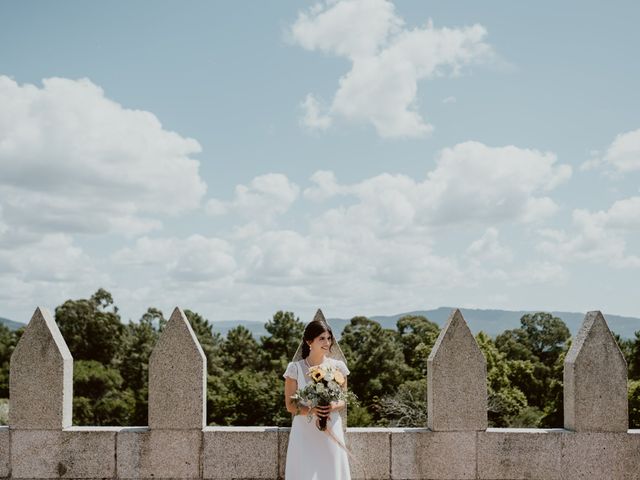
(316, 374)
(338, 377)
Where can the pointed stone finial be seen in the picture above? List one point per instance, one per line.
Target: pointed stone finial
(41, 377)
(595, 380)
(456, 380)
(319, 316)
(177, 378)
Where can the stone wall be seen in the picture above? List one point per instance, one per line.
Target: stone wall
(595, 442)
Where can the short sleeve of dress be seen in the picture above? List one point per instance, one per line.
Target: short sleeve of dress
(342, 367)
(291, 371)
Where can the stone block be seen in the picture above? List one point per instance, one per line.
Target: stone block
(41, 362)
(144, 453)
(595, 380)
(371, 448)
(587, 455)
(177, 378)
(457, 380)
(520, 453)
(78, 452)
(418, 453)
(283, 443)
(5, 452)
(240, 452)
(632, 460)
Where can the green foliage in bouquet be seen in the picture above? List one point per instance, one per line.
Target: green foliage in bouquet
(326, 386)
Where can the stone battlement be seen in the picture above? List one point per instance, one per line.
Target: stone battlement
(595, 442)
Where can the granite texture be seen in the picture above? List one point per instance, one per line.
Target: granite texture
(260, 452)
(596, 455)
(177, 378)
(520, 453)
(144, 453)
(418, 453)
(248, 452)
(72, 453)
(41, 362)
(283, 443)
(595, 380)
(371, 453)
(456, 380)
(5, 452)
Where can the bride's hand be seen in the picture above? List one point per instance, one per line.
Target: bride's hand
(322, 410)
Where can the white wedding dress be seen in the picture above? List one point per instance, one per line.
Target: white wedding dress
(312, 454)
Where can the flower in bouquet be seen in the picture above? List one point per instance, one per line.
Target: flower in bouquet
(326, 386)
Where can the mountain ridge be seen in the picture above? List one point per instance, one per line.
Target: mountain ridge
(11, 324)
(491, 321)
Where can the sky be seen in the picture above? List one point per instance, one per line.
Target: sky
(366, 157)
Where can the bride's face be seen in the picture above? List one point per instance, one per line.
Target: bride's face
(321, 344)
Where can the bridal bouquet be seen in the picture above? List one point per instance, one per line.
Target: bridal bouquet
(325, 387)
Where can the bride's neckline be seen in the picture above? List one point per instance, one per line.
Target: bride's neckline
(308, 365)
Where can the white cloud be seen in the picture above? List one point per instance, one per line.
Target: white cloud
(471, 183)
(624, 214)
(266, 197)
(541, 273)
(3, 226)
(597, 236)
(624, 152)
(450, 99)
(385, 244)
(55, 258)
(312, 116)
(75, 161)
(46, 272)
(193, 259)
(326, 186)
(353, 28)
(388, 61)
(282, 256)
(488, 248)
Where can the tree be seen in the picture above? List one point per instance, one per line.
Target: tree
(93, 332)
(408, 406)
(91, 328)
(539, 346)
(553, 407)
(505, 401)
(544, 335)
(375, 359)
(417, 335)
(8, 341)
(240, 350)
(634, 360)
(255, 399)
(634, 403)
(138, 340)
(210, 342)
(285, 331)
(98, 395)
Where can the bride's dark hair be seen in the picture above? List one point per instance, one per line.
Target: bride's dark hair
(314, 329)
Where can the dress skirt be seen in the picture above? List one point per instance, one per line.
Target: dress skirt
(314, 455)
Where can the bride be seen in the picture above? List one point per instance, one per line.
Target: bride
(313, 454)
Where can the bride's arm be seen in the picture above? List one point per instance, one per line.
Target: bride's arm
(290, 387)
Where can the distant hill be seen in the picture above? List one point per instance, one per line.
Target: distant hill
(10, 324)
(493, 322)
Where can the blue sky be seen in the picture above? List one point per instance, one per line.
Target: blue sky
(365, 157)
